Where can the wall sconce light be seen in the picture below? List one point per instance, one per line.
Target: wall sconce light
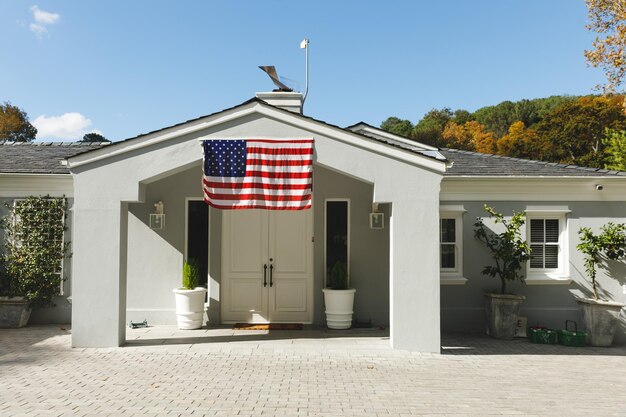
(157, 219)
(377, 220)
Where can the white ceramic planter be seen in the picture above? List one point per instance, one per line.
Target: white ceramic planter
(189, 307)
(339, 305)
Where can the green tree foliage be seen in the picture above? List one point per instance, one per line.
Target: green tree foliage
(34, 249)
(429, 129)
(398, 126)
(610, 242)
(614, 142)
(191, 274)
(94, 137)
(14, 124)
(508, 249)
(574, 130)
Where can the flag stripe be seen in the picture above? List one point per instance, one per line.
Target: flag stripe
(249, 185)
(267, 197)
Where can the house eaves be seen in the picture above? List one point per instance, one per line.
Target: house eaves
(258, 106)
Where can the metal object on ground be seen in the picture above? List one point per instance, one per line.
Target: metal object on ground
(137, 325)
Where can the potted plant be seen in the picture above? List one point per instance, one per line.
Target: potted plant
(338, 298)
(600, 317)
(509, 252)
(31, 257)
(190, 298)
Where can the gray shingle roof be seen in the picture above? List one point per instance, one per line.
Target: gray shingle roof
(40, 157)
(465, 163)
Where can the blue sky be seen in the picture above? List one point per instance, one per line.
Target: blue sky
(128, 67)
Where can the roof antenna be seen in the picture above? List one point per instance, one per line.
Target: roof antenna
(305, 45)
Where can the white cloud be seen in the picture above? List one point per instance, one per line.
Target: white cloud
(43, 17)
(69, 126)
(42, 20)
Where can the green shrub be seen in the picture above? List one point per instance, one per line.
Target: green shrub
(339, 276)
(34, 249)
(191, 274)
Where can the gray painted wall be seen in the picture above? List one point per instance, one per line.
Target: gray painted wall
(155, 256)
(547, 305)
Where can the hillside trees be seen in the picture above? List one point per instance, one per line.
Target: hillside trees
(564, 129)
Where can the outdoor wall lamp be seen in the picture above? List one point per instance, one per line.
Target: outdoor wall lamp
(377, 220)
(157, 219)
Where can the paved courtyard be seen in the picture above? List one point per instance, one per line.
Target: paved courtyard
(312, 372)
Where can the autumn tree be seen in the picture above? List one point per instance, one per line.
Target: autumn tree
(14, 124)
(398, 126)
(470, 136)
(522, 142)
(615, 149)
(608, 20)
(93, 137)
(574, 130)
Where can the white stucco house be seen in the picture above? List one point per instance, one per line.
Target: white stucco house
(419, 273)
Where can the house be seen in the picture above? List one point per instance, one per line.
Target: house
(420, 273)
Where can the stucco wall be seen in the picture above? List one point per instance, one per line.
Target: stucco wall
(369, 249)
(104, 188)
(547, 305)
(155, 257)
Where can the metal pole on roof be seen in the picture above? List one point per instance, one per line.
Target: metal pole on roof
(305, 45)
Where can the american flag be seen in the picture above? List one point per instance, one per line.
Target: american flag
(258, 173)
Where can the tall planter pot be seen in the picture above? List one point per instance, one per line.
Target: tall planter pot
(14, 312)
(502, 311)
(339, 304)
(189, 307)
(600, 319)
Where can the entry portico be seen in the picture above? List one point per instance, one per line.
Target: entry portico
(109, 184)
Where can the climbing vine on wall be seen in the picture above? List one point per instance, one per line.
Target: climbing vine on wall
(34, 249)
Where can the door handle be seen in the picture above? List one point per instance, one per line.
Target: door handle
(271, 275)
(265, 275)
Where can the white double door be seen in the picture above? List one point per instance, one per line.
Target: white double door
(267, 266)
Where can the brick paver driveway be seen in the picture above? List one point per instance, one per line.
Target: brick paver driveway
(302, 373)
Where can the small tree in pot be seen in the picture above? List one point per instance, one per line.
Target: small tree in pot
(338, 298)
(190, 298)
(509, 252)
(601, 316)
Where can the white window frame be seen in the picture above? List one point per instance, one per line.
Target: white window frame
(347, 200)
(452, 276)
(550, 276)
(62, 269)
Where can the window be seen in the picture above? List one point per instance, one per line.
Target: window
(337, 231)
(544, 242)
(546, 232)
(451, 245)
(447, 240)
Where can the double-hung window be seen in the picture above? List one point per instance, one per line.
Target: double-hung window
(451, 245)
(546, 233)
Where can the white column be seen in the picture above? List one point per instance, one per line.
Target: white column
(414, 276)
(99, 274)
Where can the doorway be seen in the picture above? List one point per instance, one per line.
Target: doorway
(267, 266)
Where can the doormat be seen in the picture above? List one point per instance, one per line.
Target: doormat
(270, 326)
